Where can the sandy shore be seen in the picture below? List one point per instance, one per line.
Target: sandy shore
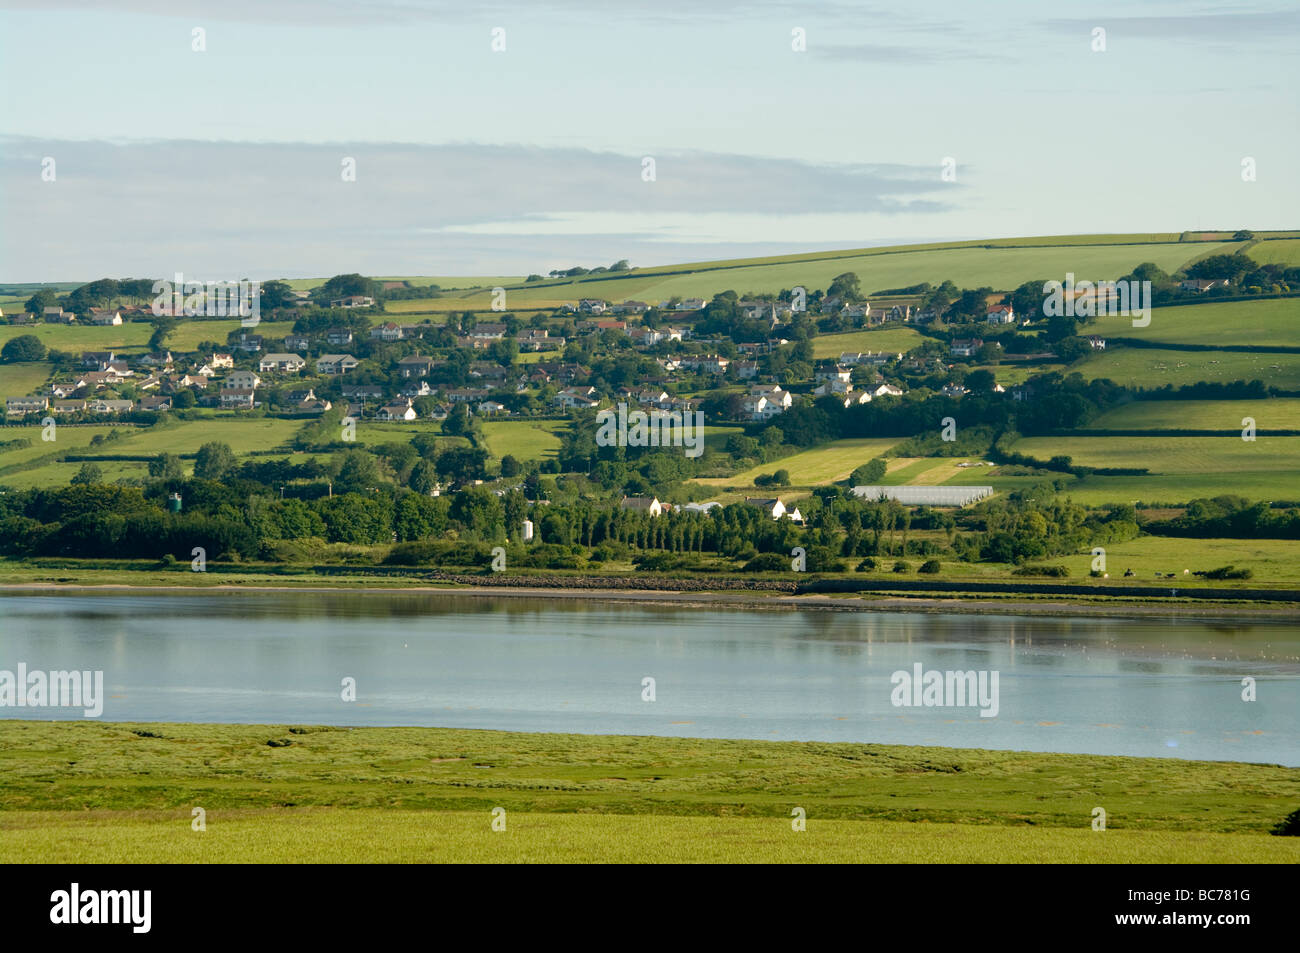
(741, 599)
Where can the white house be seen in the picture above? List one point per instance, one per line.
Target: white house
(1001, 314)
(645, 504)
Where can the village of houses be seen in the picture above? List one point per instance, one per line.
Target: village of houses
(241, 377)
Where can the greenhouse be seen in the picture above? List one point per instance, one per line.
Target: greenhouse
(926, 495)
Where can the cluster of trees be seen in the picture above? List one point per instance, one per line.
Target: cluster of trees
(1232, 517)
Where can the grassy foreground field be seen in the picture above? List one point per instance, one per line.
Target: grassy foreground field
(114, 792)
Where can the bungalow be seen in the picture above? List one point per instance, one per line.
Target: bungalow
(298, 396)
(965, 347)
(336, 363)
(156, 403)
(1001, 314)
(98, 360)
(68, 407)
(954, 390)
(57, 315)
(466, 395)
(241, 380)
(691, 304)
(1199, 284)
(312, 406)
(886, 390)
(218, 361)
(285, 363)
(18, 406)
(388, 331)
(643, 504)
(237, 398)
(701, 507)
(251, 343)
(105, 317)
(111, 406)
(401, 410)
(297, 342)
(491, 408)
(592, 306)
(150, 382)
(159, 359)
(353, 301)
(362, 391)
(631, 307)
(338, 336)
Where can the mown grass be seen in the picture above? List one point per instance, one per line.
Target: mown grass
(117, 791)
(878, 339)
(825, 464)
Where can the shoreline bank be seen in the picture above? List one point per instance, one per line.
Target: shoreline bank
(750, 599)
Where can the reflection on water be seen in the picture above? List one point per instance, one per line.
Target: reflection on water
(1101, 685)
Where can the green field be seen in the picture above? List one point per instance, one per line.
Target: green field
(182, 436)
(111, 792)
(189, 334)
(1281, 413)
(1282, 252)
(1181, 468)
(524, 440)
(1002, 267)
(133, 336)
(881, 339)
(1155, 367)
(1272, 322)
(1271, 561)
(829, 463)
(377, 836)
(18, 380)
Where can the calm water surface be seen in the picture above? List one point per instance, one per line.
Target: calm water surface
(1106, 686)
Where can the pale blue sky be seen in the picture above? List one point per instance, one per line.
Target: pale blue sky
(476, 162)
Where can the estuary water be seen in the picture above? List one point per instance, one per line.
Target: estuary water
(1154, 687)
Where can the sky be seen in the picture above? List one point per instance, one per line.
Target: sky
(127, 151)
